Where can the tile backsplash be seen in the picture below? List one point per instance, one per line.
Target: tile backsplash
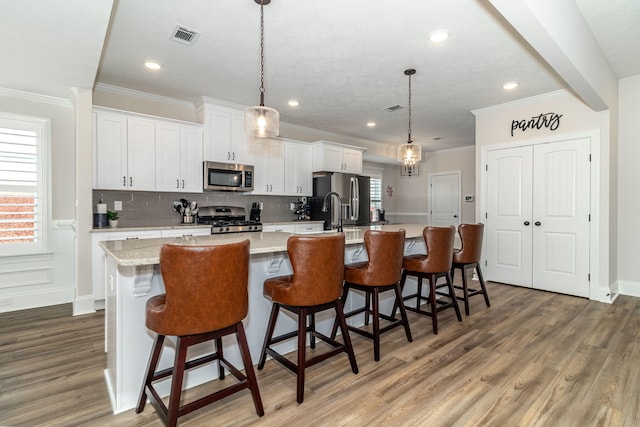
(151, 209)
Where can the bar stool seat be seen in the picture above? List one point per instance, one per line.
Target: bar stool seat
(432, 266)
(206, 298)
(380, 273)
(314, 286)
(468, 258)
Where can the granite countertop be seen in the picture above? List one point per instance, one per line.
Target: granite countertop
(158, 227)
(147, 251)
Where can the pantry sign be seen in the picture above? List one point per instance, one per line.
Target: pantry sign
(545, 120)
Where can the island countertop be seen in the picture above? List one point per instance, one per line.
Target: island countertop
(138, 252)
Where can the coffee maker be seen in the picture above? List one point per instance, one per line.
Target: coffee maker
(256, 208)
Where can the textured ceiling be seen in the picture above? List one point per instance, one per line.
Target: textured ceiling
(343, 60)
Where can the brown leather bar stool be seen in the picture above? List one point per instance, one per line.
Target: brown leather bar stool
(434, 265)
(468, 258)
(314, 286)
(379, 274)
(206, 298)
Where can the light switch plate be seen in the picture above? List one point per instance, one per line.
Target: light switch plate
(117, 205)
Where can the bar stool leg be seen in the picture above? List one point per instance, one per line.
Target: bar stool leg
(269, 334)
(312, 326)
(302, 336)
(465, 289)
(241, 337)
(376, 324)
(403, 312)
(433, 302)
(151, 369)
(484, 288)
(220, 355)
(454, 300)
(176, 381)
(345, 335)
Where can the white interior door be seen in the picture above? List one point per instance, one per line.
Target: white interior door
(537, 217)
(444, 199)
(508, 217)
(561, 193)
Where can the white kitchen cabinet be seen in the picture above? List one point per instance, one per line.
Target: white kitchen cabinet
(297, 168)
(224, 136)
(332, 157)
(124, 152)
(308, 227)
(178, 157)
(268, 168)
(97, 256)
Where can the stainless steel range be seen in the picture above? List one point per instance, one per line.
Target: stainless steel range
(226, 219)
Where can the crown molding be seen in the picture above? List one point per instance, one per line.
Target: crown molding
(35, 97)
(523, 101)
(103, 87)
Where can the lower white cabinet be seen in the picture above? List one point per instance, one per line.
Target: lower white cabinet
(287, 228)
(187, 232)
(301, 227)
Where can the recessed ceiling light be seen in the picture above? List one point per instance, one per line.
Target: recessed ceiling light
(152, 65)
(438, 36)
(371, 124)
(293, 103)
(510, 85)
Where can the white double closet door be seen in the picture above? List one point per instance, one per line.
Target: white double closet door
(537, 217)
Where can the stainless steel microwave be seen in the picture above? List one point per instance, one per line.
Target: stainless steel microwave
(227, 177)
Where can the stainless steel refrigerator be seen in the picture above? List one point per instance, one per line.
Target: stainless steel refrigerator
(354, 195)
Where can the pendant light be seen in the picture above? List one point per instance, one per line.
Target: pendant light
(409, 154)
(261, 121)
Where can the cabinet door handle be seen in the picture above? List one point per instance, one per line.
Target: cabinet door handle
(267, 189)
(270, 187)
(234, 155)
(183, 183)
(177, 183)
(228, 155)
(538, 223)
(130, 181)
(124, 181)
(527, 223)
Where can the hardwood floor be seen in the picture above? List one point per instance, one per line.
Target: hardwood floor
(532, 359)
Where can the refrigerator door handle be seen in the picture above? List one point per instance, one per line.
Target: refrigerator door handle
(355, 199)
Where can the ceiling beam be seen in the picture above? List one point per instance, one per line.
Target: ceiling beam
(558, 32)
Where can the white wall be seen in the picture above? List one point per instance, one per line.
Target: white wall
(628, 179)
(410, 194)
(41, 280)
(493, 126)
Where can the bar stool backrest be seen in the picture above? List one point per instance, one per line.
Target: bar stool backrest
(206, 288)
(439, 241)
(385, 250)
(318, 270)
(471, 237)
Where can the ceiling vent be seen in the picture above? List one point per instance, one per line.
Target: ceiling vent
(184, 35)
(393, 108)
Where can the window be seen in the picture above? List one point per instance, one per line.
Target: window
(375, 193)
(23, 183)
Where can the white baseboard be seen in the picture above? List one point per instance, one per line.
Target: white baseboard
(628, 287)
(83, 305)
(36, 299)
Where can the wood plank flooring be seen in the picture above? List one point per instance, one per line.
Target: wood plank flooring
(533, 359)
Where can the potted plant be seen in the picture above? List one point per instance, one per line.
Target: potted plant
(113, 218)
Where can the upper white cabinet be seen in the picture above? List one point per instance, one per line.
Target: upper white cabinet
(297, 168)
(332, 157)
(178, 158)
(125, 152)
(268, 168)
(136, 152)
(224, 136)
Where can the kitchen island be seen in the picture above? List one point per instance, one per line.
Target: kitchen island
(133, 276)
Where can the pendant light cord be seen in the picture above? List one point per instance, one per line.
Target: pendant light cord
(262, 53)
(409, 139)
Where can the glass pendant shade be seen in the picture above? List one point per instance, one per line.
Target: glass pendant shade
(409, 154)
(261, 122)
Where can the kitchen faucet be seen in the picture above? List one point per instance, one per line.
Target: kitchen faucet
(325, 207)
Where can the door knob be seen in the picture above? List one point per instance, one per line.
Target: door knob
(455, 216)
(538, 223)
(527, 223)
